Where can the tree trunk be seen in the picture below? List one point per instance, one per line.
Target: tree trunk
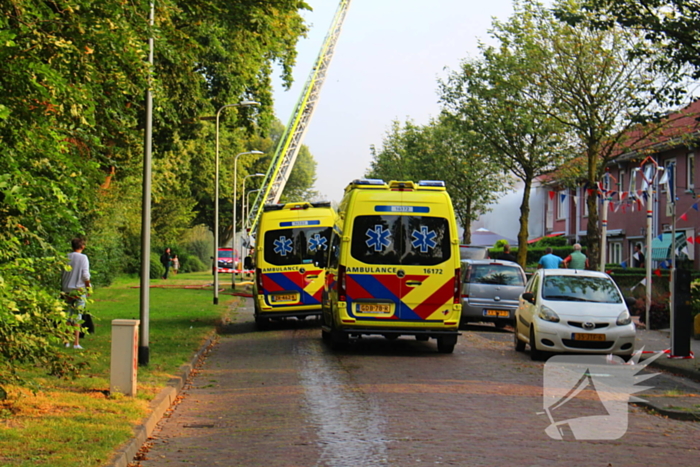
(466, 224)
(593, 232)
(523, 233)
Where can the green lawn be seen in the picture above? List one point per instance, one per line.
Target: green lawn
(76, 422)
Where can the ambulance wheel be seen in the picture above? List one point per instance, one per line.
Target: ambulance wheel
(261, 323)
(339, 340)
(422, 337)
(325, 335)
(446, 344)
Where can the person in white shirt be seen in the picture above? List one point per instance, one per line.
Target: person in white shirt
(76, 285)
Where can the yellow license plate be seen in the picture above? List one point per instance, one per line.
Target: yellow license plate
(588, 337)
(498, 313)
(289, 297)
(374, 308)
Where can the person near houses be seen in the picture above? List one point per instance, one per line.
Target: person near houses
(638, 260)
(507, 255)
(549, 260)
(576, 260)
(165, 260)
(75, 284)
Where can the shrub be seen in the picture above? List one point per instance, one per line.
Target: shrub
(191, 263)
(156, 267)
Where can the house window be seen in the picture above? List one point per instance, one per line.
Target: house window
(620, 183)
(549, 221)
(562, 205)
(690, 172)
(615, 253)
(670, 166)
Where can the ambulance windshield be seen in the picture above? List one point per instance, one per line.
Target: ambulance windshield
(401, 240)
(308, 245)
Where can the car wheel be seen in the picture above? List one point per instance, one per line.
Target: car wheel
(535, 354)
(519, 345)
(446, 344)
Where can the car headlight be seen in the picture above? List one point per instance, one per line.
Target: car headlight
(624, 318)
(548, 314)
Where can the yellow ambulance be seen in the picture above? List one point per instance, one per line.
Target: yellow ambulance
(292, 245)
(394, 264)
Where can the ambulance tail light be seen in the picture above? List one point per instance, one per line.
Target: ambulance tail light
(457, 292)
(340, 284)
(259, 281)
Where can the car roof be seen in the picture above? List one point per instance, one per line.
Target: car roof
(573, 272)
(490, 261)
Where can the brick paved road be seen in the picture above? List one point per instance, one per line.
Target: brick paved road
(282, 398)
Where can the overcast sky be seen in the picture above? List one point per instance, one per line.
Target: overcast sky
(386, 67)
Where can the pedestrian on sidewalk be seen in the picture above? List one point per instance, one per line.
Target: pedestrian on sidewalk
(576, 260)
(75, 284)
(549, 260)
(507, 255)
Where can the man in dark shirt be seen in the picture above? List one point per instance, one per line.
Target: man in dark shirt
(506, 255)
(638, 257)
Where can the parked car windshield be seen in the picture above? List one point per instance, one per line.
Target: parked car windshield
(580, 288)
(401, 240)
(284, 247)
(498, 274)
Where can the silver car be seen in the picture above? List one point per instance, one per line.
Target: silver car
(490, 290)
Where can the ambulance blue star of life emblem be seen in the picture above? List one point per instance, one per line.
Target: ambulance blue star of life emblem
(378, 238)
(317, 243)
(283, 245)
(424, 239)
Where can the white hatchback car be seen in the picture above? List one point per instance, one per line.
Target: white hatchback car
(567, 310)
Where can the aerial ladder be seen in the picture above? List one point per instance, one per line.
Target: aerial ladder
(288, 147)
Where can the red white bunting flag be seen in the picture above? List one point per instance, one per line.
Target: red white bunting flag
(684, 216)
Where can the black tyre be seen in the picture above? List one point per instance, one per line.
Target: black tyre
(446, 344)
(325, 335)
(535, 353)
(519, 345)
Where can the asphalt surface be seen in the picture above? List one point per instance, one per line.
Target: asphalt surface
(280, 397)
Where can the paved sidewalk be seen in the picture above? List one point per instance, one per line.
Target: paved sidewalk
(676, 389)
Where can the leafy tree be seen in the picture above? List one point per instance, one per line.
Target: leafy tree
(491, 99)
(673, 25)
(440, 151)
(72, 76)
(587, 81)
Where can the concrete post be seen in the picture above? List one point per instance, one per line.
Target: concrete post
(124, 356)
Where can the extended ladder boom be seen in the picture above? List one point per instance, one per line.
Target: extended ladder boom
(288, 147)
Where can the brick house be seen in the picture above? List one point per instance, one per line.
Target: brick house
(674, 144)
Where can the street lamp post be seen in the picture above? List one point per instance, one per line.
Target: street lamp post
(235, 194)
(216, 196)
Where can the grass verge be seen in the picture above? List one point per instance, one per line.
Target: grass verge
(64, 423)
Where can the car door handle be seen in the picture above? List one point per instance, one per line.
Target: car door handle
(312, 277)
(413, 283)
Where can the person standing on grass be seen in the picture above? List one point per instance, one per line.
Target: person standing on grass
(76, 286)
(176, 264)
(165, 261)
